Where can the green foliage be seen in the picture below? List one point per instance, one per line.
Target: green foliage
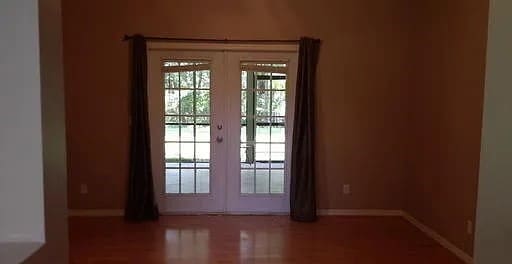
(270, 103)
(267, 103)
(187, 99)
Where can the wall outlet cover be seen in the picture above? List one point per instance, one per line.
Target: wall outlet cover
(469, 227)
(346, 188)
(84, 189)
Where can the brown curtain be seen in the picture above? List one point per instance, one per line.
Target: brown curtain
(302, 187)
(140, 203)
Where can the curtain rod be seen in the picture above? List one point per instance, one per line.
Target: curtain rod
(128, 37)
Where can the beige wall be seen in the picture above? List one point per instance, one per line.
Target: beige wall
(360, 100)
(55, 250)
(448, 56)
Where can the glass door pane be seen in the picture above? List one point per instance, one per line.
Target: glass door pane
(187, 126)
(262, 127)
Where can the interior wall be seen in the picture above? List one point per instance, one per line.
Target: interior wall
(494, 214)
(447, 74)
(360, 115)
(55, 250)
(21, 169)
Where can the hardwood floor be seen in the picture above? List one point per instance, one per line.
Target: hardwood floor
(252, 239)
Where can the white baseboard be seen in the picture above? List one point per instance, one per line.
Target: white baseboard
(328, 212)
(359, 212)
(439, 239)
(425, 229)
(96, 212)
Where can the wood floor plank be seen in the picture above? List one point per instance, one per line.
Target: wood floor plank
(252, 239)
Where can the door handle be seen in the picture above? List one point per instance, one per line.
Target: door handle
(220, 139)
(219, 126)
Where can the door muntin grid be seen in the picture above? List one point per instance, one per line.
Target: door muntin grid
(187, 105)
(262, 128)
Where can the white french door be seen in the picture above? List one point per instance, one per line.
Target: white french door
(189, 168)
(221, 125)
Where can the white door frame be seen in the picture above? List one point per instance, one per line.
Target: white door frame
(222, 201)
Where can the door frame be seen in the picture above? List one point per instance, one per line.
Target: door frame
(154, 48)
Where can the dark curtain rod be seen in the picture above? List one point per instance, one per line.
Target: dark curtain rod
(127, 37)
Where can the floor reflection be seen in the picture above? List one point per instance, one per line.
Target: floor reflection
(193, 244)
(260, 245)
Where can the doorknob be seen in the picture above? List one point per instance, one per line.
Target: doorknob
(220, 139)
(219, 126)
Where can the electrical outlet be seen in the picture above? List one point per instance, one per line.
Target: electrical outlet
(84, 189)
(469, 227)
(346, 188)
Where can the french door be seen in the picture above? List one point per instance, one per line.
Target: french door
(221, 123)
